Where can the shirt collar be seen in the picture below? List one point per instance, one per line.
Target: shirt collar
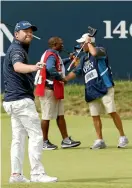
(24, 46)
(55, 51)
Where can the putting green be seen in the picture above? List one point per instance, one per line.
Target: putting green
(77, 167)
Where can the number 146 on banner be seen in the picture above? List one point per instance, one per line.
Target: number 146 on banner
(120, 29)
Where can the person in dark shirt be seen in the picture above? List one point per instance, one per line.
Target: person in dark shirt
(99, 88)
(19, 104)
(51, 107)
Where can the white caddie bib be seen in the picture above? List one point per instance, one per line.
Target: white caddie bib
(91, 75)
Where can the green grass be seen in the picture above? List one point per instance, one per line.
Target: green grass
(79, 167)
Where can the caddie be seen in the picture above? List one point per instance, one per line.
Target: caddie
(99, 88)
(50, 89)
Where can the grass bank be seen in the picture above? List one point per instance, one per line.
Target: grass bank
(75, 103)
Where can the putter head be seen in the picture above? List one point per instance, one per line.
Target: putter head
(92, 31)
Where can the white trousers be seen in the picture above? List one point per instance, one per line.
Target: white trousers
(25, 121)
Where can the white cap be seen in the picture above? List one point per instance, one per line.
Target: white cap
(84, 38)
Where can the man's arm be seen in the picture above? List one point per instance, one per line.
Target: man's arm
(23, 68)
(17, 58)
(51, 68)
(96, 51)
(68, 59)
(75, 72)
(70, 76)
(92, 49)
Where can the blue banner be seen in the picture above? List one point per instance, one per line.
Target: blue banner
(69, 20)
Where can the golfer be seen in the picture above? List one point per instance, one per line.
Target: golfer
(19, 104)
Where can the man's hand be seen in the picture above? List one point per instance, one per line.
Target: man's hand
(76, 61)
(69, 77)
(39, 65)
(72, 56)
(64, 80)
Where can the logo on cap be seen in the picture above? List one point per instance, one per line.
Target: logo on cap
(26, 24)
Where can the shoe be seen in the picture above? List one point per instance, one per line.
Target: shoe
(47, 145)
(123, 141)
(69, 143)
(98, 144)
(44, 178)
(19, 179)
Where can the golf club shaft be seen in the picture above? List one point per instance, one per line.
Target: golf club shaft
(74, 58)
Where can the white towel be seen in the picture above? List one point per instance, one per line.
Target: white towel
(38, 77)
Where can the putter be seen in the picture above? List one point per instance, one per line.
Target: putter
(75, 57)
(92, 32)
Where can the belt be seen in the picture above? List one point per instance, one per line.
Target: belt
(48, 88)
